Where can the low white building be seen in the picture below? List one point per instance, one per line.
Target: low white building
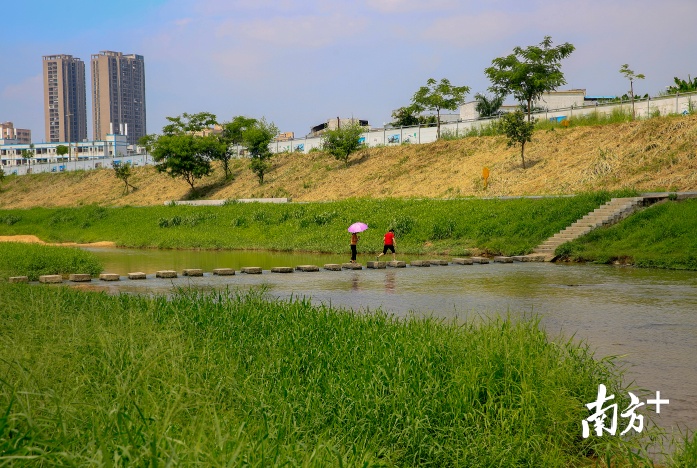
(548, 101)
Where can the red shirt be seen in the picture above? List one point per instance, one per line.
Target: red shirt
(389, 238)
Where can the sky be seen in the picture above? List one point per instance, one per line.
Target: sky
(298, 63)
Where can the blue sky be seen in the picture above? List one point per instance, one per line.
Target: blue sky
(298, 63)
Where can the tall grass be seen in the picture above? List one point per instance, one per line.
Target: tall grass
(661, 236)
(454, 226)
(235, 379)
(34, 260)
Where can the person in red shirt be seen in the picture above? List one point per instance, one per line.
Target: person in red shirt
(389, 245)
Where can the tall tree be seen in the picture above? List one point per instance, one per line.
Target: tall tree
(631, 76)
(232, 137)
(528, 73)
(518, 130)
(343, 141)
(488, 106)
(436, 96)
(62, 150)
(257, 138)
(184, 149)
(28, 154)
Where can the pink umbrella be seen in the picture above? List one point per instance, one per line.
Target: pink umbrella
(357, 227)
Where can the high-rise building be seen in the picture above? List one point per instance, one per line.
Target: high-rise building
(118, 95)
(64, 98)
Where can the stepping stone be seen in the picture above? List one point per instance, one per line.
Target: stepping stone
(307, 268)
(502, 259)
(332, 266)
(480, 260)
(397, 264)
(251, 270)
(462, 261)
(224, 271)
(420, 263)
(192, 272)
(79, 277)
(50, 279)
(377, 265)
(19, 279)
(352, 266)
(110, 277)
(138, 275)
(438, 262)
(282, 270)
(166, 274)
(520, 258)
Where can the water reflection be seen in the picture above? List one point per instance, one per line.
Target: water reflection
(647, 316)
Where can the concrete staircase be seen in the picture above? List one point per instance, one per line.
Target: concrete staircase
(610, 213)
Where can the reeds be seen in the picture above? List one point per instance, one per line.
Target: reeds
(34, 260)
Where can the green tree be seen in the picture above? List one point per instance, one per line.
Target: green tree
(488, 106)
(122, 171)
(631, 76)
(683, 86)
(2, 174)
(62, 150)
(183, 150)
(528, 73)
(343, 141)
(518, 130)
(257, 138)
(436, 96)
(232, 137)
(28, 154)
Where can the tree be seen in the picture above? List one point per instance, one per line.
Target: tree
(528, 73)
(257, 138)
(28, 154)
(2, 174)
(486, 106)
(629, 74)
(232, 136)
(436, 96)
(683, 86)
(342, 141)
(184, 150)
(123, 172)
(62, 150)
(517, 130)
(408, 116)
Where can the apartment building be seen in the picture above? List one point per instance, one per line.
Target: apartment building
(65, 118)
(118, 95)
(9, 132)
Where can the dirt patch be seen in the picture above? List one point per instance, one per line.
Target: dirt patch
(36, 240)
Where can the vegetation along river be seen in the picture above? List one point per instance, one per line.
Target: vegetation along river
(647, 316)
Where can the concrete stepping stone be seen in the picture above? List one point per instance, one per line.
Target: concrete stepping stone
(19, 279)
(352, 266)
(420, 263)
(502, 259)
(251, 270)
(282, 270)
(397, 264)
(377, 265)
(50, 279)
(480, 260)
(307, 268)
(438, 262)
(192, 272)
(224, 271)
(79, 277)
(137, 275)
(332, 266)
(520, 258)
(109, 277)
(166, 274)
(462, 261)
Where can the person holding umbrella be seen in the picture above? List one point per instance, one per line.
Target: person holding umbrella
(354, 229)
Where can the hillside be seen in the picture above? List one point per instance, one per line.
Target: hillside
(650, 155)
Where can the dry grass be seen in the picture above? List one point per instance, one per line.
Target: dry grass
(656, 154)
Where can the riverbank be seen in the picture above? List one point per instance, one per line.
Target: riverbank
(272, 382)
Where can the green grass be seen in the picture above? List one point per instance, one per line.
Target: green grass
(455, 226)
(661, 236)
(232, 379)
(34, 260)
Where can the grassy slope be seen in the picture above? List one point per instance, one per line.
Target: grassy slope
(221, 379)
(645, 155)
